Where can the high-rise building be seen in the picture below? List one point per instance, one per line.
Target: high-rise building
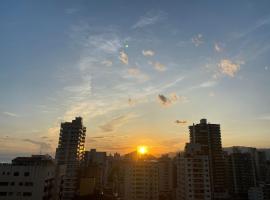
(193, 174)
(242, 174)
(209, 136)
(70, 152)
(141, 180)
(165, 176)
(30, 178)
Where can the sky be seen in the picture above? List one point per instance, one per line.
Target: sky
(138, 72)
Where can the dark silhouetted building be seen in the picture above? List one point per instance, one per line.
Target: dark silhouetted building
(209, 136)
(70, 152)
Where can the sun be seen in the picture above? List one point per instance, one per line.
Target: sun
(142, 150)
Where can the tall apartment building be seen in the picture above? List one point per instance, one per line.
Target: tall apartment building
(31, 178)
(70, 152)
(209, 136)
(242, 174)
(141, 180)
(193, 174)
(165, 176)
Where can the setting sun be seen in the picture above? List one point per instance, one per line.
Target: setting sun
(142, 149)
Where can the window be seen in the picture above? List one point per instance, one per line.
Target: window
(27, 194)
(16, 174)
(3, 194)
(26, 173)
(3, 183)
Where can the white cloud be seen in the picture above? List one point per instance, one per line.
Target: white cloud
(207, 84)
(10, 114)
(123, 57)
(137, 73)
(149, 19)
(108, 43)
(197, 40)
(148, 53)
(116, 122)
(227, 67)
(107, 63)
(217, 47)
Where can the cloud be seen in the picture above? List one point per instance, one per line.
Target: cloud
(149, 19)
(264, 117)
(181, 121)
(167, 101)
(148, 53)
(197, 40)
(116, 122)
(207, 84)
(227, 67)
(107, 63)
(137, 74)
(44, 147)
(70, 11)
(158, 66)
(123, 57)
(108, 43)
(10, 114)
(217, 47)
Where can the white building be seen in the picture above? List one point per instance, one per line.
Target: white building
(193, 176)
(141, 180)
(31, 178)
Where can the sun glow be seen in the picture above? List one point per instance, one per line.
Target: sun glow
(142, 150)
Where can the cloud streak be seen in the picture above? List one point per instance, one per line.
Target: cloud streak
(150, 18)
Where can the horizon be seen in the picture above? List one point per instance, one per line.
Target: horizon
(139, 75)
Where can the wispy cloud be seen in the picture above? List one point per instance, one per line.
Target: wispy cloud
(197, 40)
(43, 146)
(148, 52)
(149, 18)
(10, 114)
(116, 122)
(123, 57)
(70, 11)
(227, 67)
(158, 66)
(218, 47)
(137, 74)
(107, 63)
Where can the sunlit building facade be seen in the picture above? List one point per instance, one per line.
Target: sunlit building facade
(70, 152)
(193, 174)
(141, 180)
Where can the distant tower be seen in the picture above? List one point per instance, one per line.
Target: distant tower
(209, 136)
(70, 153)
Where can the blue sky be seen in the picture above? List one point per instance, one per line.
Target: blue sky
(131, 69)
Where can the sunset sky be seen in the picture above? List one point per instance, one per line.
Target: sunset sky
(131, 69)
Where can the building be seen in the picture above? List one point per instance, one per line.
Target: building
(261, 192)
(70, 152)
(165, 176)
(141, 180)
(242, 174)
(209, 136)
(95, 157)
(193, 174)
(31, 178)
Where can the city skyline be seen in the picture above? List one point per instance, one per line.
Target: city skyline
(137, 76)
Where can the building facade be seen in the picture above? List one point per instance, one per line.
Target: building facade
(70, 152)
(209, 136)
(31, 178)
(193, 174)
